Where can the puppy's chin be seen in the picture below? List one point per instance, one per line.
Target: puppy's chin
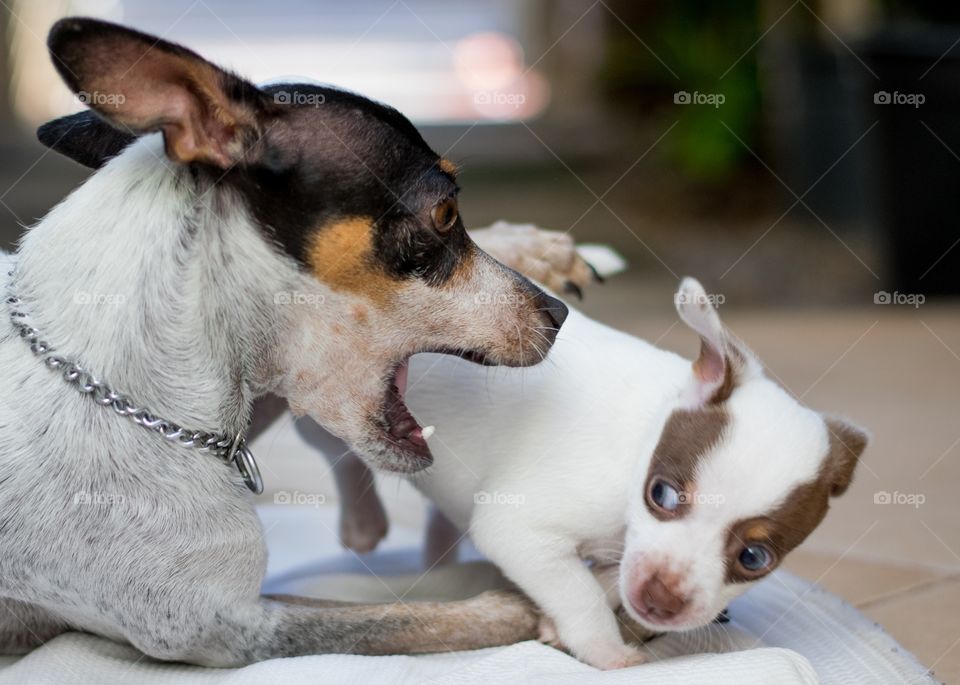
(689, 620)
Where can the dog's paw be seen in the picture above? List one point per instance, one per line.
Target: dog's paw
(362, 528)
(549, 257)
(612, 656)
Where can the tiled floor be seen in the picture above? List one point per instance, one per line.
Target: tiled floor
(894, 370)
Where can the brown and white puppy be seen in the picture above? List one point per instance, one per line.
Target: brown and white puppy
(683, 482)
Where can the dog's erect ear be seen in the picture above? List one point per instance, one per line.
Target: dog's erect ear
(85, 138)
(140, 83)
(847, 443)
(722, 357)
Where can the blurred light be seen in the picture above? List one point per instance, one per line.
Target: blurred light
(479, 77)
(487, 61)
(491, 67)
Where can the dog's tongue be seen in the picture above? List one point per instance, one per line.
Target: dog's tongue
(404, 425)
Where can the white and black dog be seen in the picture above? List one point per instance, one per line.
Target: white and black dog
(255, 246)
(681, 482)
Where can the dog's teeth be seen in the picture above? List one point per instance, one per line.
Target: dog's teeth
(427, 431)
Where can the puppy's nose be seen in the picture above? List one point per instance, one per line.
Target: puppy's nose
(553, 308)
(658, 600)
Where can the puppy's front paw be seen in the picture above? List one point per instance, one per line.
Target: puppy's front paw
(549, 257)
(610, 657)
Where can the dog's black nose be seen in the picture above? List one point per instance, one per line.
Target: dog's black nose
(554, 308)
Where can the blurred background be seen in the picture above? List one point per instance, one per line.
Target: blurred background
(802, 158)
(802, 152)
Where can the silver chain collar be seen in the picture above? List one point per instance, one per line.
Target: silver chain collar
(229, 449)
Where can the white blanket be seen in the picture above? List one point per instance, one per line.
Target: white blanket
(783, 631)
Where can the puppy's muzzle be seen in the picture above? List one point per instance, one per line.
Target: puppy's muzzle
(656, 600)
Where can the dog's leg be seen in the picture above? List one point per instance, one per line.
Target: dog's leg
(442, 540)
(24, 627)
(363, 521)
(283, 626)
(549, 257)
(560, 583)
(608, 575)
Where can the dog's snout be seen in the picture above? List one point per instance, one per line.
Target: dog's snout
(555, 309)
(658, 599)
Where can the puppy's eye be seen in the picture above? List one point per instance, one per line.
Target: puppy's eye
(444, 215)
(664, 495)
(755, 558)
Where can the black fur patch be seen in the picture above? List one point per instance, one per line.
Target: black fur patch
(342, 156)
(346, 156)
(85, 138)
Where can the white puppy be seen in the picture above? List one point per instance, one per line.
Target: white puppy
(684, 482)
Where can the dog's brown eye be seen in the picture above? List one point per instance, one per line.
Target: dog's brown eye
(444, 215)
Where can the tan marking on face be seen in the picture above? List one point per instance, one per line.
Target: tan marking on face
(756, 532)
(448, 167)
(341, 255)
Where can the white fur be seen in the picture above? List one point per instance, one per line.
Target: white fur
(546, 466)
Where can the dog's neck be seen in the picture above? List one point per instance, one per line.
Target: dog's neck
(159, 285)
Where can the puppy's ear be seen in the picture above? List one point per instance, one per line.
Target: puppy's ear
(85, 138)
(847, 443)
(140, 84)
(723, 359)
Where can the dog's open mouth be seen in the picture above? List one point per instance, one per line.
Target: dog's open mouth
(402, 430)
